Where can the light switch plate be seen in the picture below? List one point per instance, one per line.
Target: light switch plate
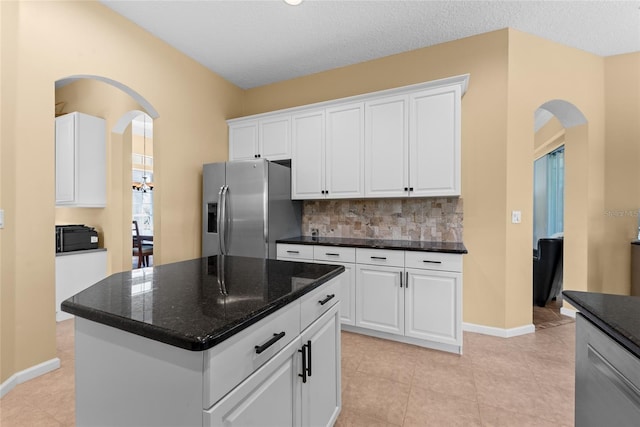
(1, 218)
(516, 217)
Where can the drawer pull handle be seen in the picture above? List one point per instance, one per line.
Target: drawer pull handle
(293, 252)
(306, 361)
(327, 299)
(401, 279)
(331, 254)
(263, 347)
(379, 257)
(432, 262)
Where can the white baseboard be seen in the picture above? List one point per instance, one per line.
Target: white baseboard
(498, 332)
(28, 374)
(568, 312)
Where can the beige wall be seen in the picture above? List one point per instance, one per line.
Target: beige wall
(622, 195)
(60, 39)
(540, 71)
(548, 138)
(484, 145)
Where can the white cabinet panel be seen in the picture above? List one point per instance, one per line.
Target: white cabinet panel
(288, 252)
(347, 292)
(434, 141)
(267, 398)
(433, 302)
(275, 138)
(308, 154)
(321, 397)
(75, 273)
(81, 165)
(243, 140)
(380, 298)
(268, 138)
(387, 147)
(344, 163)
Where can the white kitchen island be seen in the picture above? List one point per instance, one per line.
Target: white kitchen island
(215, 341)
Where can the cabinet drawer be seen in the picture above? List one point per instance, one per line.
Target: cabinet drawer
(233, 360)
(319, 301)
(433, 261)
(380, 257)
(302, 252)
(334, 253)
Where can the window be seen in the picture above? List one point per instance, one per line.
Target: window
(548, 195)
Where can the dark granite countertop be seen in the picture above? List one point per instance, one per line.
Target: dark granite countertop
(635, 242)
(406, 245)
(617, 315)
(199, 303)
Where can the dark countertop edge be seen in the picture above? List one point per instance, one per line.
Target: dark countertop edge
(192, 343)
(635, 242)
(84, 251)
(377, 244)
(616, 332)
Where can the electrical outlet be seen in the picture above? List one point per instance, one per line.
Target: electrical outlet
(1, 218)
(516, 217)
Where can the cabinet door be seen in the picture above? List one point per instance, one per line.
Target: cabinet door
(434, 142)
(433, 304)
(347, 292)
(243, 140)
(267, 398)
(345, 151)
(75, 273)
(65, 159)
(386, 147)
(380, 298)
(275, 138)
(321, 394)
(307, 157)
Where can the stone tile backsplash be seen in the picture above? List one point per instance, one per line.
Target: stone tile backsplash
(427, 219)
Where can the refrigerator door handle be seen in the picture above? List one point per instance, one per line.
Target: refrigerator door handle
(221, 218)
(225, 219)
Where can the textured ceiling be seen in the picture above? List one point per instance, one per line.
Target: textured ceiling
(252, 43)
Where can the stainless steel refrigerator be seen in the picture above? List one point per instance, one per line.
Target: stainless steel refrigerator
(247, 207)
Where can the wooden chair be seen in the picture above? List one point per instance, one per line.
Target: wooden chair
(140, 250)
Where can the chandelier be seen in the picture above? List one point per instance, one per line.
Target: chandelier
(145, 185)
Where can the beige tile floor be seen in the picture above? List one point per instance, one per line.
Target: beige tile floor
(520, 381)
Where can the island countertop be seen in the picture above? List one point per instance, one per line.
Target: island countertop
(199, 303)
(406, 245)
(617, 315)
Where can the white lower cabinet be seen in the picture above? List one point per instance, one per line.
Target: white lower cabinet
(300, 386)
(408, 296)
(267, 398)
(380, 298)
(433, 303)
(75, 272)
(321, 397)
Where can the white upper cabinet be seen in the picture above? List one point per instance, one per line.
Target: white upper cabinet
(81, 165)
(307, 156)
(387, 147)
(243, 140)
(434, 142)
(275, 138)
(402, 142)
(268, 138)
(327, 159)
(344, 161)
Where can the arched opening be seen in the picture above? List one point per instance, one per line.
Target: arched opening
(557, 170)
(118, 105)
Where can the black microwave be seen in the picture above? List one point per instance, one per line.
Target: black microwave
(75, 238)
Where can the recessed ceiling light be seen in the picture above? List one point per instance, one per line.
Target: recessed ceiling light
(293, 2)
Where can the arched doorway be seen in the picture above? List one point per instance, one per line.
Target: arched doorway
(118, 104)
(557, 176)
